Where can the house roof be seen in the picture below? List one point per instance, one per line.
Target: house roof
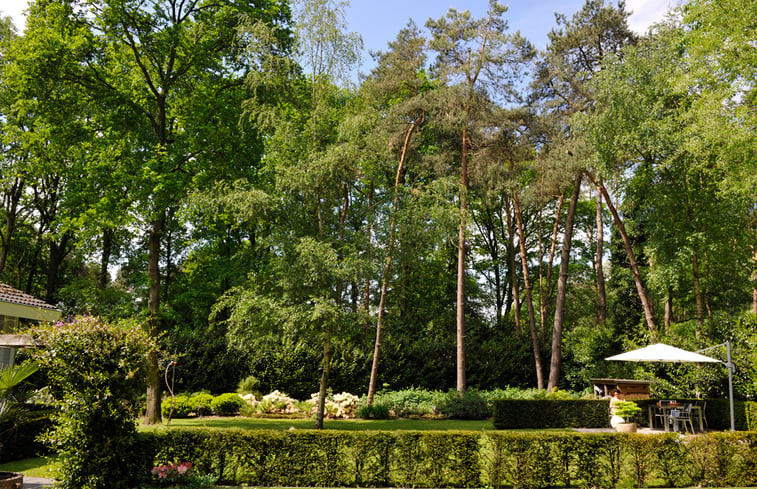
(13, 302)
(14, 296)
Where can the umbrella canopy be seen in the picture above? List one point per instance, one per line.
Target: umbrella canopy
(660, 352)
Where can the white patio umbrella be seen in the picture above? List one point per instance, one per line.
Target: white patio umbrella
(660, 352)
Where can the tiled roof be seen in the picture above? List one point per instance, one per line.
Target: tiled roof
(14, 296)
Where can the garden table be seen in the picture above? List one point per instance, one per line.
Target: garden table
(667, 410)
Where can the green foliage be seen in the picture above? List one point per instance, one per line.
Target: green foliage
(176, 407)
(407, 402)
(249, 385)
(227, 404)
(374, 411)
(626, 409)
(458, 459)
(96, 374)
(469, 405)
(516, 414)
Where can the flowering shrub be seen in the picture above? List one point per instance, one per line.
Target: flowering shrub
(178, 475)
(342, 405)
(274, 403)
(171, 474)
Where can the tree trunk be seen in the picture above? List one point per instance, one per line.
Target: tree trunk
(668, 310)
(562, 286)
(58, 252)
(388, 262)
(601, 293)
(645, 304)
(460, 316)
(107, 244)
(513, 269)
(152, 414)
(754, 291)
(697, 292)
(547, 290)
(529, 299)
(12, 199)
(326, 370)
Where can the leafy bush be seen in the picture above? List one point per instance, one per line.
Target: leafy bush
(469, 405)
(201, 403)
(96, 373)
(227, 404)
(408, 402)
(249, 385)
(374, 411)
(180, 404)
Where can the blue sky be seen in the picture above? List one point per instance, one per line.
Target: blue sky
(378, 22)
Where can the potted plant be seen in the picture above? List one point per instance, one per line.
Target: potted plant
(626, 410)
(11, 480)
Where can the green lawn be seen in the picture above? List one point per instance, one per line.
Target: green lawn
(31, 467)
(239, 422)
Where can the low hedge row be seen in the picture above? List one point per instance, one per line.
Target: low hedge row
(539, 414)
(520, 414)
(457, 459)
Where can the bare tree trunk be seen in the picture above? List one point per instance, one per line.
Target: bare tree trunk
(367, 286)
(107, 244)
(58, 252)
(513, 267)
(697, 292)
(754, 291)
(529, 299)
(388, 261)
(460, 316)
(152, 414)
(547, 290)
(601, 293)
(562, 286)
(12, 199)
(326, 370)
(645, 303)
(668, 310)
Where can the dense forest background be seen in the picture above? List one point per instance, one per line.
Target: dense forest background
(472, 213)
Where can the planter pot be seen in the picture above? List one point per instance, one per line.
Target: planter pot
(626, 428)
(11, 480)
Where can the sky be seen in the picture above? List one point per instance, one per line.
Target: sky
(379, 21)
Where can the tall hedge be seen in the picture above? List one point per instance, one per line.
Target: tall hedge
(307, 458)
(96, 374)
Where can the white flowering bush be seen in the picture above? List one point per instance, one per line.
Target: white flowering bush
(343, 405)
(274, 403)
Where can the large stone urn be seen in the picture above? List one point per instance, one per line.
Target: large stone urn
(11, 480)
(625, 427)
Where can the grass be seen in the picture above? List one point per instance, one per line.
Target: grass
(31, 467)
(244, 423)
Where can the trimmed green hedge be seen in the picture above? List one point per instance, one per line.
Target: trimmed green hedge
(540, 414)
(306, 458)
(520, 414)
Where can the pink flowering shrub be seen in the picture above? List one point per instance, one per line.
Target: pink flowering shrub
(171, 475)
